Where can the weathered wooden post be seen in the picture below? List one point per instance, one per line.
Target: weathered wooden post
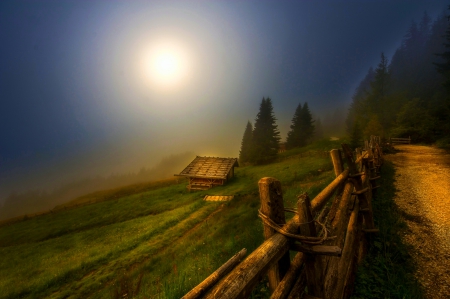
(349, 256)
(272, 206)
(313, 264)
(338, 164)
(365, 204)
(358, 155)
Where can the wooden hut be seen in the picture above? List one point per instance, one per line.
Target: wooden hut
(206, 172)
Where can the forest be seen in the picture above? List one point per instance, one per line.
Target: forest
(407, 96)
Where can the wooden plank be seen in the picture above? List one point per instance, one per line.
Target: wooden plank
(317, 249)
(240, 282)
(285, 286)
(218, 197)
(201, 289)
(299, 287)
(321, 199)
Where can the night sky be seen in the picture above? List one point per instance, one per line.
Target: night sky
(79, 96)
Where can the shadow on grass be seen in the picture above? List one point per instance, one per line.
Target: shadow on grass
(387, 270)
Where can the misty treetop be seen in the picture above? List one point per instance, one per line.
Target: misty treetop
(410, 95)
(260, 144)
(266, 137)
(302, 127)
(246, 145)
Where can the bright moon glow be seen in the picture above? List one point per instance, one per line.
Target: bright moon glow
(167, 66)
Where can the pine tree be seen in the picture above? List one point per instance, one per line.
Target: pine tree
(307, 123)
(373, 127)
(302, 128)
(444, 67)
(378, 96)
(294, 136)
(355, 135)
(266, 136)
(246, 145)
(358, 110)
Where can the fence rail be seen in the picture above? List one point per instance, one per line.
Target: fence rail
(330, 241)
(393, 140)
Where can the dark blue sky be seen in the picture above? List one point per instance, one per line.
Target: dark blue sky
(75, 100)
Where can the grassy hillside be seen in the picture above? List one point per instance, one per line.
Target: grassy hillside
(147, 242)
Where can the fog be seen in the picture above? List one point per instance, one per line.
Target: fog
(82, 99)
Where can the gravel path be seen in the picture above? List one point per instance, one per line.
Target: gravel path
(423, 196)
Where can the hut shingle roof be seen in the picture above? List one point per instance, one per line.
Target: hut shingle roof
(209, 167)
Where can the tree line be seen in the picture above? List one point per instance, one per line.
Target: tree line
(261, 142)
(407, 96)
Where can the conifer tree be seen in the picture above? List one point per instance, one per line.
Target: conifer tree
(246, 145)
(307, 123)
(302, 128)
(444, 66)
(266, 136)
(294, 136)
(355, 135)
(378, 96)
(373, 127)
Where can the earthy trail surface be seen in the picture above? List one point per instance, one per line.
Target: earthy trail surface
(423, 197)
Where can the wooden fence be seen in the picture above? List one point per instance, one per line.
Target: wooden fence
(393, 140)
(329, 234)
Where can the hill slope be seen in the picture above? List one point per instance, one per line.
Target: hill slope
(152, 243)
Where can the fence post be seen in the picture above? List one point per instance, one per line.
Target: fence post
(365, 204)
(273, 207)
(336, 158)
(313, 264)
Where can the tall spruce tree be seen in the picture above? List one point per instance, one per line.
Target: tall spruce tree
(302, 127)
(246, 145)
(266, 136)
(378, 96)
(294, 136)
(307, 123)
(444, 66)
(356, 135)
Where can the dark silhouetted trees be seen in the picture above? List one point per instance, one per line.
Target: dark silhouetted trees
(266, 137)
(356, 135)
(294, 136)
(302, 127)
(444, 66)
(260, 144)
(246, 145)
(410, 96)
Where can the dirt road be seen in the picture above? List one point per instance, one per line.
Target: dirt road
(423, 196)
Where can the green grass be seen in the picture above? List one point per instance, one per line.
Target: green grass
(151, 243)
(387, 270)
